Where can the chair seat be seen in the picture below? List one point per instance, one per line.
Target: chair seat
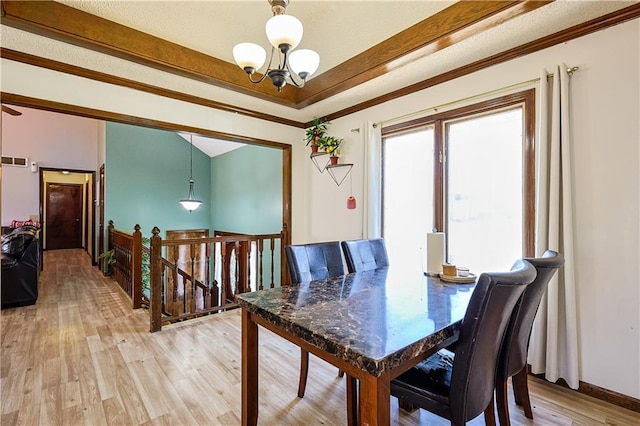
(431, 377)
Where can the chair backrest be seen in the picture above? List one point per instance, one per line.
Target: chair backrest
(481, 334)
(316, 261)
(516, 340)
(365, 255)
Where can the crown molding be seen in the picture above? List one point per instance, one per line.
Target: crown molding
(132, 84)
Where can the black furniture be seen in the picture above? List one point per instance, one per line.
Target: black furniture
(365, 255)
(308, 262)
(513, 356)
(315, 261)
(459, 385)
(20, 267)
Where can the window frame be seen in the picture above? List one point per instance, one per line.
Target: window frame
(439, 122)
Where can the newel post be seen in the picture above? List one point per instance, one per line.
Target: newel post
(155, 261)
(110, 228)
(285, 278)
(136, 266)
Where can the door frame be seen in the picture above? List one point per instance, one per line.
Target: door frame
(87, 222)
(100, 203)
(80, 111)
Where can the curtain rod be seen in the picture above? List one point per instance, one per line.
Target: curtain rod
(570, 71)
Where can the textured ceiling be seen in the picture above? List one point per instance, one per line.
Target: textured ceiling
(338, 30)
(214, 27)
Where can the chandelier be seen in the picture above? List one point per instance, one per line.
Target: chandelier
(191, 203)
(284, 33)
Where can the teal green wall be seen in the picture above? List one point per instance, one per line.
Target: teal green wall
(147, 173)
(246, 192)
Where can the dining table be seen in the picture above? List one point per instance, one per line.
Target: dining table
(373, 325)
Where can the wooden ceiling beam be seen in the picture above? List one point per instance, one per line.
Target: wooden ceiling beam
(451, 25)
(67, 24)
(444, 29)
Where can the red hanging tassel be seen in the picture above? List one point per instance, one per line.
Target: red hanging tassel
(351, 202)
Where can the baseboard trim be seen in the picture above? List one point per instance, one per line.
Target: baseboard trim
(616, 398)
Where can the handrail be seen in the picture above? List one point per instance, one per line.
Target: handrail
(221, 267)
(128, 261)
(232, 263)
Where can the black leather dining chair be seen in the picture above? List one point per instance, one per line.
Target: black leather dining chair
(365, 255)
(513, 356)
(308, 262)
(459, 385)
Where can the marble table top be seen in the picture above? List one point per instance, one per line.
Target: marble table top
(375, 320)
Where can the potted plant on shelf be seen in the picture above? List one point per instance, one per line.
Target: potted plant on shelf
(331, 146)
(316, 133)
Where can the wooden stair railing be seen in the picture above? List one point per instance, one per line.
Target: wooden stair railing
(127, 270)
(234, 263)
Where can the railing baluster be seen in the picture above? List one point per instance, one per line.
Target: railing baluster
(249, 244)
(136, 266)
(273, 248)
(207, 296)
(191, 297)
(261, 251)
(238, 267)
(215, 285)
(223, 274)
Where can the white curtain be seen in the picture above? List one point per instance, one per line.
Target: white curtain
(372, 181)
(553, 347)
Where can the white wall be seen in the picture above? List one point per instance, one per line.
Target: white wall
(605, 117)
(51, 140)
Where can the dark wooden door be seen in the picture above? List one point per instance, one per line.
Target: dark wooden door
(64, 216)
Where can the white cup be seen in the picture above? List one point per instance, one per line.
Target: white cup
(463, 272)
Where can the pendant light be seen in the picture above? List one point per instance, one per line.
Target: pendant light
(191, 203)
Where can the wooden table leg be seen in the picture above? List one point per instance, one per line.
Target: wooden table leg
(249, 370)
(374, 393)
(352, 401)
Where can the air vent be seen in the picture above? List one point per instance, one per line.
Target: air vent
(15, 161)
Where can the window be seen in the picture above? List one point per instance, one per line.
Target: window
(467, 172)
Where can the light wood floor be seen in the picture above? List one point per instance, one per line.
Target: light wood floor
(81, 355)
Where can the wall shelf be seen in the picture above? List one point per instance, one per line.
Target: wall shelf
(339, 172)
(320, 160)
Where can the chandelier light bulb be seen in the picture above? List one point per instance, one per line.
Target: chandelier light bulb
(284, 29)
(304, 62)
(249, 55)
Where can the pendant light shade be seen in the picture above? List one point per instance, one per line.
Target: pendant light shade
(191, 203)
(284, 29)
(304, 61)
(249, 55)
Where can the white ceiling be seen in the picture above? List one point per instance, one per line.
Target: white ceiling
(211, 147)
(338, 30)
(214, 27)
